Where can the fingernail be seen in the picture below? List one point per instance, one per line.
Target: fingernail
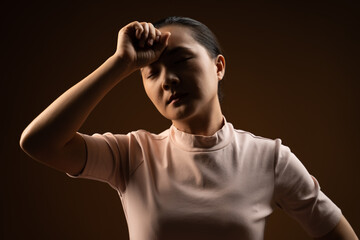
(157, 38)
(150, 42)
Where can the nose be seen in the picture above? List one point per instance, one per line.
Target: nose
(170, 81)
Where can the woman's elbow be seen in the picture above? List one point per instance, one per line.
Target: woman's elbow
(32, 144)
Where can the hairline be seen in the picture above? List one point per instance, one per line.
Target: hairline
(192, 34)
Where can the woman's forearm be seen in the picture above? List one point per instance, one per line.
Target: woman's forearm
(60, 121)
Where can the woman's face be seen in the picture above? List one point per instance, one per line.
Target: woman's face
(183, 82)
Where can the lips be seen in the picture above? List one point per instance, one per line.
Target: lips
(175, 97)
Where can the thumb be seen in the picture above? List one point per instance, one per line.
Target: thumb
(164, 40)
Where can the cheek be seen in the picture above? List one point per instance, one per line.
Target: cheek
(153, 93)
(148, 90)
(209, 83)
(205, 67)
(207, 74)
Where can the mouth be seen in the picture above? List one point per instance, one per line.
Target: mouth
(175, 98)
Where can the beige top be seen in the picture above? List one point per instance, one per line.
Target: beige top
(175, 185)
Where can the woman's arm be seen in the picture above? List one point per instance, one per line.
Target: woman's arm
(342, 231)
(52, 137)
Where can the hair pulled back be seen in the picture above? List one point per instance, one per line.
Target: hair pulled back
(201, 33)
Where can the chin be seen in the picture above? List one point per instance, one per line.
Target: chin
(180, 114)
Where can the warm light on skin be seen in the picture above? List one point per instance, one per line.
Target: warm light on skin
(186, 67)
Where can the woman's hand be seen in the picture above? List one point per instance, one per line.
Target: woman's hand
(140, 44)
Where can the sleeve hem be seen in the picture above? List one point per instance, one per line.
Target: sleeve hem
(334, 221)
(86, 159)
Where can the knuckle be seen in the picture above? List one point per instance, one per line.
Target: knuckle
(153, 31)
(133, 24)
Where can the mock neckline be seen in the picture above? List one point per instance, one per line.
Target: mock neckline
(192, 142)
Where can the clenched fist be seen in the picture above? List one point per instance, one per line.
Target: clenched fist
(140, 44)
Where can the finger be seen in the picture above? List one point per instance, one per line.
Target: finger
(144, 34)
(163, 41)
(158, 35)
(165, 37)
(152, 34)
(138, 29)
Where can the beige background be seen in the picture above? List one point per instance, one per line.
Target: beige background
(292, 73)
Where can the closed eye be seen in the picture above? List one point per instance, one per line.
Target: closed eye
(183, 60)
(152, 75)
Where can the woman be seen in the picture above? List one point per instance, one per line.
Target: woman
(199, 179)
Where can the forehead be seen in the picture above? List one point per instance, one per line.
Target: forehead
(180, 41)
(179, 35)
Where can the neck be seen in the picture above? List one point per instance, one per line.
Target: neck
(202, 124)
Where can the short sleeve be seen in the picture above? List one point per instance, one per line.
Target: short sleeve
(299, 195)
(107, 159)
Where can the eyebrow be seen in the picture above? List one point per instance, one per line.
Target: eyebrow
(171, 51)
(175, 50)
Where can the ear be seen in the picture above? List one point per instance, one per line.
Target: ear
(220, 66)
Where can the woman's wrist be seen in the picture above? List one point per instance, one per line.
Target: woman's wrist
(123, 66)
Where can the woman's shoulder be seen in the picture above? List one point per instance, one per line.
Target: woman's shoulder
(251, 136)
(251, 140)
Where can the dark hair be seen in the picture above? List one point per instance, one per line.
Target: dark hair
(201, 33)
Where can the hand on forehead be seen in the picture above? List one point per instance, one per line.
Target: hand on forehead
(180, 41)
